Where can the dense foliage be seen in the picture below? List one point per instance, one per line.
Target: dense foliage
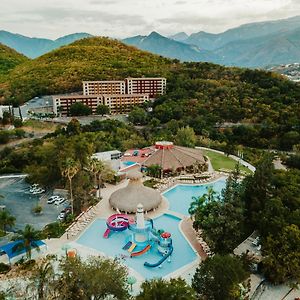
(159, 289)
(263, 106)
(267, 201)
(218, 278)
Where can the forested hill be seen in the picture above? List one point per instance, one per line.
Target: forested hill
(63, 70)
(198, 94)
(9, 59)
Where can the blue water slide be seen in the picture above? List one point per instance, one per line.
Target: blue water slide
(146, 264)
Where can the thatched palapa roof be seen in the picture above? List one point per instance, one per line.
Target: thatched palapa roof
(171, 157)
(126, 199)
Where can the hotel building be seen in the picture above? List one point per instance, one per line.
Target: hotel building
(62, 104)
(103, 87)
(119, 103)
(151, 86)
(124, 103)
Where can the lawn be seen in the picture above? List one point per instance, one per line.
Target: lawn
(220, 161)
(36, 125)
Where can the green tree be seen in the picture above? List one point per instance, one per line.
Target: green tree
(41, 281)
(138, 116)
(257, 189)
(91, 279)
(80, 109)
(27, 239)
(69, 169)
(185, 136)
(154, 171)
(73, 127)
(281, 262)
(160, 289)
(6, 220)
(218, 278)
(102, 110)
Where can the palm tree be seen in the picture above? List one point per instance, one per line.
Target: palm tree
(6, 220)
(27, 239)
(70, 169)
(41, 280)
(101, 171)
(198, 202)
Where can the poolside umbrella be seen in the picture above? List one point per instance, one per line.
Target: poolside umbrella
(65, 248)
(131, 280)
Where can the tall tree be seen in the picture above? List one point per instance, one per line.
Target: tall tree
(69, 169)
(218, 278)
(41, 281)
(185, 137)
(281, 261)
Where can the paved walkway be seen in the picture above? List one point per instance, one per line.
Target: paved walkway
(189, 232)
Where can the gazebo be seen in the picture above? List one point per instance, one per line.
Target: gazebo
(126, 199)
(176, 158)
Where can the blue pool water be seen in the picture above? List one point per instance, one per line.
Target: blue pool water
(180, 197)
(182, 255)
(128, 163)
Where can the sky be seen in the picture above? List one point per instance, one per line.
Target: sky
(124, 18)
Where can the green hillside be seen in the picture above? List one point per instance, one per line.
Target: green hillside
(97, 58)
(9, 59)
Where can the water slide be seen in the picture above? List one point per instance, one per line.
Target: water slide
(138, 253)
(127, 246)
(106, 233)
(146, 264)
(132, 246)
(117, 222)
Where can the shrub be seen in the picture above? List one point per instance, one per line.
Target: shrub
(4, 268)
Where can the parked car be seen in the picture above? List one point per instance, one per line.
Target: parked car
(60, 200)
(52, 199)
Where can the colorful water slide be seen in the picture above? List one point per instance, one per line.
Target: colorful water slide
(106, 233)
(117, 222)
(130, 249)
(146, 264)
(127, 246)
(138, 253)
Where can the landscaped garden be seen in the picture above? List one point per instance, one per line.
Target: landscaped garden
(221, 162)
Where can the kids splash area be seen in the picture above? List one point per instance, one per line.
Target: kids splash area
(142, 236)
(151, 247)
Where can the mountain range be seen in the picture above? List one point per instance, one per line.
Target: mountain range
(251, 45)
(34, 47)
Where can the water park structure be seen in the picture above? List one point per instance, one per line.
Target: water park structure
(143, 236)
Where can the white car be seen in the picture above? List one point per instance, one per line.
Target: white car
(52, 199)
(60, 200)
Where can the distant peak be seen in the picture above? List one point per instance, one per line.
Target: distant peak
(154, 34)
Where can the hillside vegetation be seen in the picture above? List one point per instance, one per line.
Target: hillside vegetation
(202, 96)
(63, 70)
(9, 59)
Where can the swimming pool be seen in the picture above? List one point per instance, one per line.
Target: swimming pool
(182, 255)
(180, 197)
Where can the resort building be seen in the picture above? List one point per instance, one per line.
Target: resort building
(62, 104)
(169, 157)
(119, 103)
(103, 87)
(151, 86)
(123, 103)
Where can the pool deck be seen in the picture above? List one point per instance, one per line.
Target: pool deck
(190, 234)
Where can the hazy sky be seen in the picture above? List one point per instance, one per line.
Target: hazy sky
(122, 18)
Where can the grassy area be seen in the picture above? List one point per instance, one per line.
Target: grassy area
(220, 161)
(39, 125)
